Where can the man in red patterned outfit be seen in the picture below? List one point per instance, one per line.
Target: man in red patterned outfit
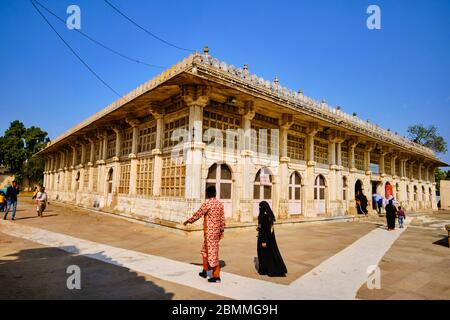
(213, 227)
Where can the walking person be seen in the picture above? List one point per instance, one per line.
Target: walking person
(401, 217)
(361, 203)
(391, 213)
(213, 228)
(377, 202)
(41, 199)
(270, 261)
(11, 199)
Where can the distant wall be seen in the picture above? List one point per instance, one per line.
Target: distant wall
(445, 194)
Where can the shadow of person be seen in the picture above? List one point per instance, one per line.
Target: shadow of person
(222, 264)
(33, 217)
(256, 262)
(41, 273)
(442, 242)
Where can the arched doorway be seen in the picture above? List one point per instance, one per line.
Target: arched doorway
(319, 195)
(358, 187)
(219, 175)
(345, 194)
(416, 197)
(262, 189)
(423, 198)
(77, 182)
(430, 194)
(110, 179)
(295, 187)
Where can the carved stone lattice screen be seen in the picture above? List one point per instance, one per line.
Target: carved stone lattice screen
(222, 122)
(296, 146)
(321, 151)
(144, 179)
(124, 181)
(147, 137)
(169, 129)
(359, 158)
(111, 146)
(344, 154)
(127, 141)
(173, 177)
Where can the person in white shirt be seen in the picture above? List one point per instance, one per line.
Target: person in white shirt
(41, 200)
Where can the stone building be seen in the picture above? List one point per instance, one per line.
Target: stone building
(203, 122)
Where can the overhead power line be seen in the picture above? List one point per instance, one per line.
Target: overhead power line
(98, 42)
(145, 30)
(72, 50)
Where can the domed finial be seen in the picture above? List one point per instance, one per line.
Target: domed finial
(206, 50)
(245, 69)
(276, 80)
(300, 91)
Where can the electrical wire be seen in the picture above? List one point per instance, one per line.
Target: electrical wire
(73, 51)
(98, 42)
(145, 30)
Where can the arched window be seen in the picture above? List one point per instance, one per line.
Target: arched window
(423, 194)
(295, 186)
(262, 189)
(319, 188)
(110, 180)
(407, 192)
(344, 188)
(430, 194)
(415, 193)
(219, 175)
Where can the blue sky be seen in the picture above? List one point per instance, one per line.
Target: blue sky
(396, 76)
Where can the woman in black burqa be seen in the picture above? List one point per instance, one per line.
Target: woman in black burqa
(269, 258)
(391, 214)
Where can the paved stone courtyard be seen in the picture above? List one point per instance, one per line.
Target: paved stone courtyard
(416, 266)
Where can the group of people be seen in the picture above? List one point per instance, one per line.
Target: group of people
(391, 213)
(8, 200)
(270, 261)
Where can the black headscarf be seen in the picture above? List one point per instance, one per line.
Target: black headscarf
(264, 209)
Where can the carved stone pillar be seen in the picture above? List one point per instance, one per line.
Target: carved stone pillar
(196, 97)
(158, 114)
(286, 122)
(310, 210)
(246, 165)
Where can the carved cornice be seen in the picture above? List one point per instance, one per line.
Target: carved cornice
(197, 95)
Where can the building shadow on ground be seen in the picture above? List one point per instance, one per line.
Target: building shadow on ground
(41, 273)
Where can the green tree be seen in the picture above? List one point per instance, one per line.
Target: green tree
(427, 137)
(439, 175)
(17, 147)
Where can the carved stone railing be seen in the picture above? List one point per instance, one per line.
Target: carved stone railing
(302, 101)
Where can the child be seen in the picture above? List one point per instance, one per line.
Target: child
(41, 199)
(401, 216)
(2, 201)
